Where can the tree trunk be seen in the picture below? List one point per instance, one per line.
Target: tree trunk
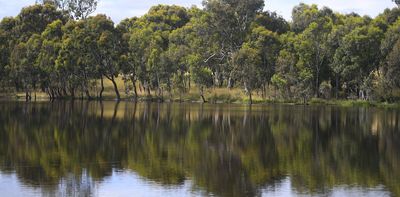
(26, 96)
(115, 88)
(337, 86)
(88, 94)
(251, 98)
(317, 86)
(202, 95)
(102, 88)
(64, 92)
(48, 93)
(134, 87)
(148, 92)
(72, 92)
(53, 96)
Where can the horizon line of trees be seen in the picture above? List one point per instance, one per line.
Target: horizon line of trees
(55, 46)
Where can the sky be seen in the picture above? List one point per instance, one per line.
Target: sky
(120, 9)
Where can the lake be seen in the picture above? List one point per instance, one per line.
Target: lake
(148, 149)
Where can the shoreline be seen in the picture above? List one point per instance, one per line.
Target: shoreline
(311, 102)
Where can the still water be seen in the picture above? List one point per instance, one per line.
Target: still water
(128, 149)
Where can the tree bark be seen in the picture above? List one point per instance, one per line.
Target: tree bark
(202, 95)
(251, 98)
(72, 92)
(134, 87)
(148, 92)
(88, 94)
(115, 88)
(102, 88)
(26, 96)
(317, 86)
(337, 86)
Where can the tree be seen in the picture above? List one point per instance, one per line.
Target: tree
(105, 43)
(75, 59)
(60, 4)
(34, 20)
(78, 9)
(190, 48)
(391, 70)
(313, 50)
(81, 9)
(230, 21)
(268, 45)
(335, 40)
(7, 40)
(391, 37)
(203, 78)
(390, 63)
(52, 81)
(149, 43)
(20, 70)
(292, 77)
(129, 64)
(272, 21)
(248, 69)
(397, 2)
(25, 42)
(358, 57)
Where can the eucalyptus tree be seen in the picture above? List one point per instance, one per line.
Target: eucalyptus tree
(391, 37)
(81, 9)
(78, 9)
(292, 77)
(335, 40)
(25, 72)
(397, 2)
(149, 42)
(129, 65)
(303, 15)
(358, 57)
(231, 20)
(389, 50)
(272, 21)
(29, 24)
(7, 42)
(391, 68)
(4, 54)
(313, 49)
(248, 69)
(286, 76)
(60, 4)
(190, 49)
(105, 49)
(75, 58)
(34, 20)
(268, 45)
(53, 82)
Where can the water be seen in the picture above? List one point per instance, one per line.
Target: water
(127, 149)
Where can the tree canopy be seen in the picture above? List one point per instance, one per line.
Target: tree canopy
(56, 47)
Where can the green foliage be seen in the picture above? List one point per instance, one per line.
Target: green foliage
(358, 56)
(232, 43)
(397, 2)
(78, 9)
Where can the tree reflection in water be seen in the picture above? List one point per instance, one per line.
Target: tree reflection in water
(225, 150)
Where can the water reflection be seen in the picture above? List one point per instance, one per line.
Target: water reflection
(72, 148)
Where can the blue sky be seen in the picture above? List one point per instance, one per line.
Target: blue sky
(120, 9)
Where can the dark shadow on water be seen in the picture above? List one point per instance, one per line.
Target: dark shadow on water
(225, 150)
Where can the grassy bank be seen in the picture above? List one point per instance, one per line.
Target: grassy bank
(213, 95)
